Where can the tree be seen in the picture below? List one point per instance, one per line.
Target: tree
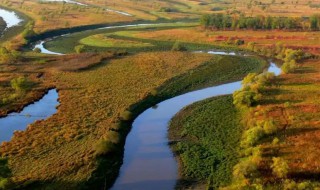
(279, 167)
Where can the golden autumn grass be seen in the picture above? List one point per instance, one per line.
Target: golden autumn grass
(308, 41)
(90, 103)
(55, 15)
(34, 68)
(262, 7)
(293, 102)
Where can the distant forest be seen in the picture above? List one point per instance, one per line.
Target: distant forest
(224, 21)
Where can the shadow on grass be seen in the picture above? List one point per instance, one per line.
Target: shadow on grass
(303, 70)
(290, 132)
(299, 84)
(299, 131)
(185, 183)
(304, 175)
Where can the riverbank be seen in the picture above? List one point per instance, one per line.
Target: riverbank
(74, 138)
(206, 155)
(289, 103)
(3, 26)
(10, 33)
(205, 139)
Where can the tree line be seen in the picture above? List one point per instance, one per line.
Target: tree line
(227, 22)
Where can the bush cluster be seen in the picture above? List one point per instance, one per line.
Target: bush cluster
(252, 86)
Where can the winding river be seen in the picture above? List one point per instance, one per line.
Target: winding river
(19, 121)
(41, 45)
(83, 4)
(148, 160)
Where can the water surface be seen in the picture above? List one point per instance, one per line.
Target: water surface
(119, 12)
(41, 44)
(68, 1)
(148, 160)
(10, 18)
(39, 110)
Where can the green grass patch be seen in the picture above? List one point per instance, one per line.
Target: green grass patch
(220, 69)
(102, 40)
(207, 135)
(66, 44)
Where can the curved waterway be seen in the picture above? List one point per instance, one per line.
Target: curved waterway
(148, 160)
(39, 110)
(67, 1)
(44, 50)
(10, 18)
(82, 4)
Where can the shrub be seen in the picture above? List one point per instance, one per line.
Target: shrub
(6, 56)
(116, 127)
(245, 98)
(289, 185)
(126, 115)
(245, 169)
(279, 167)
(113, 137)
(4, 173)
(295, 55)
(252, 136)
(79, 48)
(239, 42)
(216, 9)
(104, 147)
(275, 141)
(249, 79)
(154, 92)
(289, 67)
(304, 185)
(178, 47)
(251, 46)
(265, 78)
(4, 182)
(20, 84)
(167, 9)
(269, 127)
(37, 50)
